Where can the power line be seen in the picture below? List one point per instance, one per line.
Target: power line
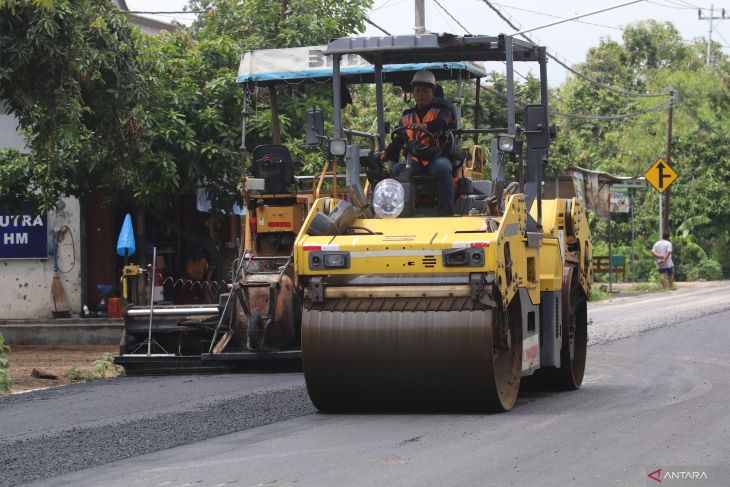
(518, 100)
(388, 3)
(722, 37)
(584, 117)
(446, 20)
(689, 5)
(610, 118)
(621, 29)
(557, 16)
(454, 18)
(376, 26)
(564, 65)
(385, 4)
(675, 6)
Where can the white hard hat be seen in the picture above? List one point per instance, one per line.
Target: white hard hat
(424, 77)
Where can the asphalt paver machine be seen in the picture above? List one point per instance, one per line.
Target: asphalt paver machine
(258, 318)
(404, 309)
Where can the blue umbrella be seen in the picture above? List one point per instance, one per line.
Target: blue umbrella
(125, 243)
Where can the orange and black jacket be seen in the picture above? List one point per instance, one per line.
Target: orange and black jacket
(437, 117)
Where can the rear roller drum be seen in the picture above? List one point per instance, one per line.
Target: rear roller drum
(575, 335)
(575, 347)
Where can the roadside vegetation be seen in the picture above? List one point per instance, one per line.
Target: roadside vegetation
(597, 294)
(646, 287)
(5, 381)
(101, 104)
(104, 368)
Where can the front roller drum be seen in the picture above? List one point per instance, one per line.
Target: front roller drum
(393, 360)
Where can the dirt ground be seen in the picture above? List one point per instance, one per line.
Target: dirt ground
(57, 359)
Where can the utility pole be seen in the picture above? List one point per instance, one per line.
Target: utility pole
(709, 28)
(420, 17)
(665, 207)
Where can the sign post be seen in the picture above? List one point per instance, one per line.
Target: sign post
(661, 176)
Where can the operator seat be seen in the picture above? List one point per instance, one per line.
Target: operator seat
(273, 163)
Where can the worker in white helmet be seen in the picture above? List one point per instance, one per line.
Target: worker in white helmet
(433, 116)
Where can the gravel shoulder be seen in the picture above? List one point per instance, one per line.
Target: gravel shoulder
(624, 317)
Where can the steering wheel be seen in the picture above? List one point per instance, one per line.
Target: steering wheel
(412, 145)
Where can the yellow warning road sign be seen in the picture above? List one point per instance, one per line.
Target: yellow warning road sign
(660, 175)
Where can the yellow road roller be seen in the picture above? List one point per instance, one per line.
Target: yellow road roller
(407, 308)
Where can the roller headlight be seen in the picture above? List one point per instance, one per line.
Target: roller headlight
(506, 143)
(388, 198)
(338, 147)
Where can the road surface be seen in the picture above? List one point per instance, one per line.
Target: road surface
(657, 384)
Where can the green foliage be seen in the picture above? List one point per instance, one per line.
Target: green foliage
(144, 117)
(75, 374)
(71, 76)
(243, 25)
(11, 4)
(104, 367)
(646, 287)
(597, 294)
(652, 58)
(707, 270)
(259, 24)
(5, 381)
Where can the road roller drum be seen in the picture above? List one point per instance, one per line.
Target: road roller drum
(438, 357)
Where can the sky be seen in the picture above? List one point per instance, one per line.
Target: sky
(569, 41)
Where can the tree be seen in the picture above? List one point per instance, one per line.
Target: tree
(258, 24)
(652, 58)
(106, 106)
(72, 77)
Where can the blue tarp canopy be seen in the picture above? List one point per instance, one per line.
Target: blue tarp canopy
(310, 64)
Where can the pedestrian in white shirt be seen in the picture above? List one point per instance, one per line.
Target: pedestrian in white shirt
(662, 250)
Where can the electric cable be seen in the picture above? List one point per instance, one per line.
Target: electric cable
(585, 117)
(385, 4)
(557, 16)
(388, 4)
(653, 2)
(621, 29)
(689, 5)
(610, 118)
(366, 19)
(451, 28)
(721, 36)
(570, 69)
(454, 18)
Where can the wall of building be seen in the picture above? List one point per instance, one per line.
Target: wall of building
(27, 285)
(149, 26)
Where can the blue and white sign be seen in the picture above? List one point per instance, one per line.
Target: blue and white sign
(23, 234)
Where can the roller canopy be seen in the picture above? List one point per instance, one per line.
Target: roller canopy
(432, 48)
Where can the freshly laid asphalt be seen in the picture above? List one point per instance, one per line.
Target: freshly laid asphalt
(655, 398)
(46, 433)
